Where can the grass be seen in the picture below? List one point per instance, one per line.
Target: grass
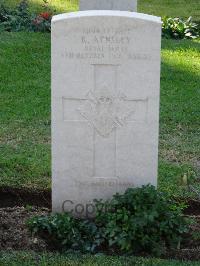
(32, 259)
(173, 8)
(179, 114)
(25, 112)
(25, 101)
(57, 6)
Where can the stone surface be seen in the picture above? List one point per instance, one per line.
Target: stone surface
(105, 105)
(122, 5)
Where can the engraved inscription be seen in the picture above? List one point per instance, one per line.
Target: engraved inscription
(96, 43)
(105, 110)
(105, 183)
(105, 106)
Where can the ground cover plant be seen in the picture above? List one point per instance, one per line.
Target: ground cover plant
(140, 220)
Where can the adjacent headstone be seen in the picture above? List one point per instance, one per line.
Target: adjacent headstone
(105, 105)
(123, 5)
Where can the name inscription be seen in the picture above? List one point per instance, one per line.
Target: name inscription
(103, 43)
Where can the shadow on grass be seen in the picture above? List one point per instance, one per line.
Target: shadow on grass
(183, 45)
(179, 116)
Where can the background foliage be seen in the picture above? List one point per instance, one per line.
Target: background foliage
(20, 19)
(162, 8)
(179, 29)
(26, 17)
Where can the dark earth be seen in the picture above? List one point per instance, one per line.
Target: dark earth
(18, 205)
(11, 197)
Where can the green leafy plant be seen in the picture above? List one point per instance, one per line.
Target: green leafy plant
(42, 22)
(140, 220)
(66, 232)
(15, 20)
(20, 19)
(177, 28)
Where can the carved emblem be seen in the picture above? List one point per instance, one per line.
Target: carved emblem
(106, 110)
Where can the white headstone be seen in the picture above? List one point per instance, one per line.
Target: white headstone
(123, 5)
(105, 105)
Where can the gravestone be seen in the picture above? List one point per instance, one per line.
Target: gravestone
(105, 105)
(123, 5)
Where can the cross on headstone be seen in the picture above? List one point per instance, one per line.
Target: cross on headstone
(122, 5)
(106, 109)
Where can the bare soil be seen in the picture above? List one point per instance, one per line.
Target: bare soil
(11, 197)
(14, 233)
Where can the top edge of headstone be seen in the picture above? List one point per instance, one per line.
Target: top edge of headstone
(123, 5)
(103, 13)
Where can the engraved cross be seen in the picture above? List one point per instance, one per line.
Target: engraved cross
(106, 109)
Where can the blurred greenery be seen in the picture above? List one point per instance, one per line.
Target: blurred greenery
(171, 8)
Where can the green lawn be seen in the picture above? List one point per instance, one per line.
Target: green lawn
(25, 109)
(179, 113)
(173, 8)
(32, 259)
(25, 112)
